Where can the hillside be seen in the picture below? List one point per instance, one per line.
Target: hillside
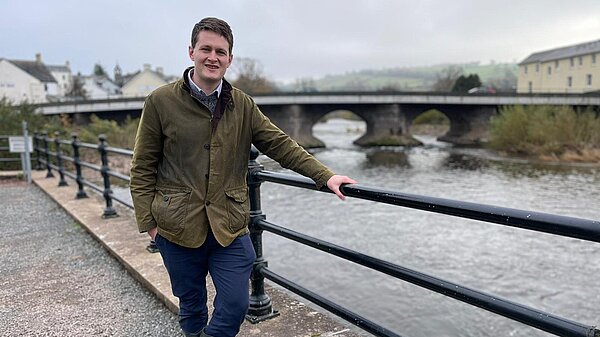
(502, 76)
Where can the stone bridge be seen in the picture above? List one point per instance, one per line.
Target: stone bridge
(388, 116)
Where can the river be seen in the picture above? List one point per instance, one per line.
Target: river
(551, 273)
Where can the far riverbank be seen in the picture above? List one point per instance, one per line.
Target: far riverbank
(568, 155)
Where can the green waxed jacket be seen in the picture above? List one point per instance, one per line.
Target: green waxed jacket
(186, 177)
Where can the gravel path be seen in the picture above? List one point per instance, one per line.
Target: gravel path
(55, 280)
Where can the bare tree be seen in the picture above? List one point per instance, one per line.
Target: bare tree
(446, 78)
(249, 76)
(305, 84)
(77, 90)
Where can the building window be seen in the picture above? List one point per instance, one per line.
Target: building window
(580, 60)
(549, 70)
(530, 87)
(570, 81)
(571, 62)
(525, 69)
(593, 58)
(556, 64)
(588, 80)
(537, 68)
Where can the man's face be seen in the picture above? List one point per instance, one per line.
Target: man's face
(211, 58)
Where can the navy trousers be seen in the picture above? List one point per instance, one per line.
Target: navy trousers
(229, 268)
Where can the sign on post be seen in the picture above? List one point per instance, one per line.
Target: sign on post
(16, 144)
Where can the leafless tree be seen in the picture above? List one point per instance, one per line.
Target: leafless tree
(249, 77)
(446, 78)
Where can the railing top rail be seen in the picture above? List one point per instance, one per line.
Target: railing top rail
(117, 150)
(88, 145)
(584, 229)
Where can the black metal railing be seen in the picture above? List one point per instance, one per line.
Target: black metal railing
(55, 160)
(261, 307)
(6, 156)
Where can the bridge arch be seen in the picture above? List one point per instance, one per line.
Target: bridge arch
(339, 128)
(430, 122)
(386, 124)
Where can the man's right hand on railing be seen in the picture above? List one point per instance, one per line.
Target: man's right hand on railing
(336, 181)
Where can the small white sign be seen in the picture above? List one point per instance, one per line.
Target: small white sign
(16, 144)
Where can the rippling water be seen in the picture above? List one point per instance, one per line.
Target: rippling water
(555, 274)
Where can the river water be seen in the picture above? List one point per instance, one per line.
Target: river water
(551, 273)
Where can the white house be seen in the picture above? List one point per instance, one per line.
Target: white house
(63, 77)
(99, 87)
(27, 81)
(144, 82)
(33, 81)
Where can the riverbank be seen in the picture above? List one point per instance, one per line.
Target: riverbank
(549, 133)
(567, 154)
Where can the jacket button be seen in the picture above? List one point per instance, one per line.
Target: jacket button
(208, 203)
(166, 198)
(207, 146)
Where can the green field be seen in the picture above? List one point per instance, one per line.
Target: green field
(411, 78)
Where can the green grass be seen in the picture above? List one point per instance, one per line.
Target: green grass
(544, 130)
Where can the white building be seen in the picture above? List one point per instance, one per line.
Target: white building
(33, 81)
(29, 81)
(99, 87)
(63, 77)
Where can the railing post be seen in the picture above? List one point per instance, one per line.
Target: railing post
(109, 211)
(61, 169)
(36, 146)
(260, 308)
(47, 152)
(77, 162)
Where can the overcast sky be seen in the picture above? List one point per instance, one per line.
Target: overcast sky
(292, 39)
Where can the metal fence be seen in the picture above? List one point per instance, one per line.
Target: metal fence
(261, 307)
(5, 155)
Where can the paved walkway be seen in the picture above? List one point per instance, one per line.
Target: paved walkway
(57, 281)
(58, 285)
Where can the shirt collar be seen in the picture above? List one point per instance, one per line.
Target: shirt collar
(196, 88)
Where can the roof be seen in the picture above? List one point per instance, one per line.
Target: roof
(167, 78)
(59, 68)
(564, 52)
(35, 69)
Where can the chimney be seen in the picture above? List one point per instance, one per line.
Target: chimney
(159, 70)
(38, 58)
(146, 66)
(68, 64)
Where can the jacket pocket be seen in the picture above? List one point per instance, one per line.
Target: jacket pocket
(238, 208)
(170, 208)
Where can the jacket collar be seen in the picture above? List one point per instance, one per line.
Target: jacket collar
(224, 97)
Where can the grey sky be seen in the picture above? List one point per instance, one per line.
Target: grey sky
(294, 39)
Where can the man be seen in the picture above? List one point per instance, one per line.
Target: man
(188, 181)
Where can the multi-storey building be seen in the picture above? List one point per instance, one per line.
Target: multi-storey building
(571, 69)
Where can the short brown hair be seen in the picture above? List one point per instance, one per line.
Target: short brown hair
(214, 25)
